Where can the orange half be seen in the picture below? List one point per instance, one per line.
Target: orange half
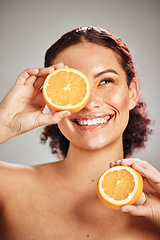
(66, 89)
(118, 186)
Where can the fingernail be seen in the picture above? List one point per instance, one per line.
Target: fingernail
(36, 71)
(51, 67)
(124, 160)
(111, 164)
(66, 114)
(124, 210)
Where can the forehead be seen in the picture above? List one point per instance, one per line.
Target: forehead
(86, 49)
(89, 55)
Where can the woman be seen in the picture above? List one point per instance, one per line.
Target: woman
(58, 200)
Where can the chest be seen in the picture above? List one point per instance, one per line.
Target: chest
(64, 217)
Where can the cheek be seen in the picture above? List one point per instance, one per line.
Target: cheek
(66, 128)
(118, 99)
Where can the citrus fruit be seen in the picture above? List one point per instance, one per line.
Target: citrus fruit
(66, 89)
(118, 186)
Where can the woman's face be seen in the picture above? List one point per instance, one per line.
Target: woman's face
(103, 120)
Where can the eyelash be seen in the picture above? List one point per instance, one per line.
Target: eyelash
(106, 81)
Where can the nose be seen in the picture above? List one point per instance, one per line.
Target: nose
(95, 101)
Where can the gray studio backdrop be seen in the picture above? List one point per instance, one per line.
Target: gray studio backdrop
(28, 28)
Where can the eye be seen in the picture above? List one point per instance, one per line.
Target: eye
(105, 81)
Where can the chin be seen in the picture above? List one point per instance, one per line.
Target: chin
(92, 144)
(99, 143)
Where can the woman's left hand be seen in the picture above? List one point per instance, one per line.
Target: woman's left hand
(151, 189)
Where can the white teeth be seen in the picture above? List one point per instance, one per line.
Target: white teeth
(98, 120)
(94, 121)
(85, 122)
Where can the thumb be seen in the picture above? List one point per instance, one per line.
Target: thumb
(136, 210)
(48, 119)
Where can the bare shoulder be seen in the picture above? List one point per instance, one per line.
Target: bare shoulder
(10, 170)
(17, 180)
(22, 182)
(12, 174)
(15, 174)
(26, 185)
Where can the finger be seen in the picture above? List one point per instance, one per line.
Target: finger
(39, 78)
(116, 163)
(136, 210)
(150, 187)
(144, 169)
(39, 82)
(59, 65)
(26, 74)
(145, 164)
(112, 164)
(149, 174)
(30, 75)
(135, 163)
(48, 119)
(44, 72)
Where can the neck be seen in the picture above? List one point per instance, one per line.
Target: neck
(85, 164)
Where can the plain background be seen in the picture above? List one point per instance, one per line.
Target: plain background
(28, 28)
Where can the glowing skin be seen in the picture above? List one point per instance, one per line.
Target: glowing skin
(103, 120)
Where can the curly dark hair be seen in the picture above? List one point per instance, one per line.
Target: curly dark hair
(137, 130)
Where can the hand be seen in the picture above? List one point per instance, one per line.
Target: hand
(21, 109)
(151, 189)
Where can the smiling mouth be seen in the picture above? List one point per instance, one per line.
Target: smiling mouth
(92, 122)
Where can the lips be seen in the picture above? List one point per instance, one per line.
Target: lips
(88, 122)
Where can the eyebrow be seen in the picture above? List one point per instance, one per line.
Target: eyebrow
(106, 71)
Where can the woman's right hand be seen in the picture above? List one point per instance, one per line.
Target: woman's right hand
(149, 204)
(21, 110)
